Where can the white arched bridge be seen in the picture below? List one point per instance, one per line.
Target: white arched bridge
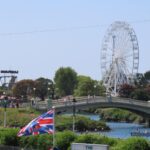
(139, 107)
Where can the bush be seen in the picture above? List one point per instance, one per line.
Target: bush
(116, 114)
(95, 139)
(45, 142)
(140, 94)
(42, 141)
(135, 143)
(9, 137)
(64, 139)
(81, 124)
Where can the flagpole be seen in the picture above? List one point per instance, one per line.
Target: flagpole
(53, 126)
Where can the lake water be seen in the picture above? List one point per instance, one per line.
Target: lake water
(120, 130)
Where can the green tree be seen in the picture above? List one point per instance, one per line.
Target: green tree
(65, 81)
(87, 86)
(100, 88)
(147, 76)
(23, 88)
(42, 87)
(140, 80)
(140, 94)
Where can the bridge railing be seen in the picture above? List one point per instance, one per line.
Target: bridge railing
(131, 101)
(95, 99)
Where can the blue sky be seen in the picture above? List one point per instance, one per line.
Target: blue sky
(71, 34)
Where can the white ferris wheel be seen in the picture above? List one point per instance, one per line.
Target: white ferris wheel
(119, 56)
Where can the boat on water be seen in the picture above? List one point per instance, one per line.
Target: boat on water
(140, 133)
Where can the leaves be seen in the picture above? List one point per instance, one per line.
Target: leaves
(65, 80)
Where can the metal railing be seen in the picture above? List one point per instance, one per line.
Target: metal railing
(87, 100)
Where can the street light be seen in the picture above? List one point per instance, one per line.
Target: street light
(49, 101)
(34, 91)
(95, 91)
(5, 106)
(33, 101)
(74, 111)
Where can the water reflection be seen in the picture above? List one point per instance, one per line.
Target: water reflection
(120, 130)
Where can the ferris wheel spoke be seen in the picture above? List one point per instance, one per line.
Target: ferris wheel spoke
(124, 43)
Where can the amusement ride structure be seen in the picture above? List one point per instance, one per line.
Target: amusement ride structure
(8, 78)
(119, 56)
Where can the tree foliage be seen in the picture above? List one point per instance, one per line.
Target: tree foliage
(140, 80)
(23, 88)
(136, 143)
(87, 86)
(42, 87)
(126, 90)
(65, 81)
(147, 75)
(140, 94)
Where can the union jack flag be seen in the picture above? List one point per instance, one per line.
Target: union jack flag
(40, 125)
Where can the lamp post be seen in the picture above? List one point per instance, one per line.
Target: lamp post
(95, 91)
(34, 101)
(5, 108)
(74, 111)
(49, 101)
(34, 91)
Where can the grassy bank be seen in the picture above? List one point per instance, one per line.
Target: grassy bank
(118, 115)
(21, 117)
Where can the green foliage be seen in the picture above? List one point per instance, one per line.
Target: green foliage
(20, 117)
(41, 87)
(147, 76)
(116, 114)
(140, 94)
(140, 80)
(81, 124)
(29, 142)
(95, 139)
(87, 138)
(63, 123)
(135, 143)
(64, 139)
(9, 137)
(23, 88)
(86, 124)
(45, 142)
(41, 142)
(87, 86)
(65, 80)
(17, 117)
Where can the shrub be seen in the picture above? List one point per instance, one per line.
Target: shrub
(135, 143)
(9, 137)
(64, 139)
(95, 139)
(45, 142)
(29, 142)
